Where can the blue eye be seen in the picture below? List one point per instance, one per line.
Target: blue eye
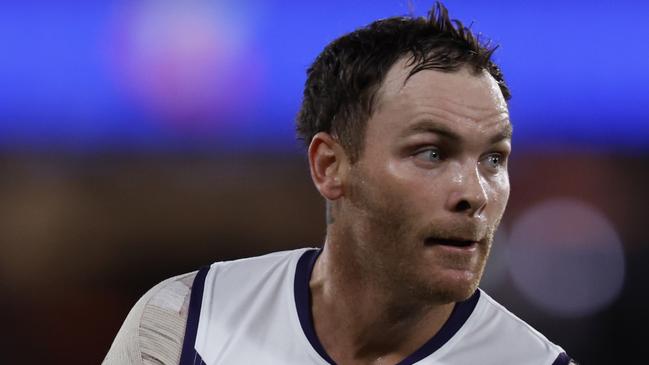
(494, 161)
(430, 154)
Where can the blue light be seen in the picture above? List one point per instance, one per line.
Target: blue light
(578, 71)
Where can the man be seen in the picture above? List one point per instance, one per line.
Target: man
(408, 137)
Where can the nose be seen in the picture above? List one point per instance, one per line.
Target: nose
(468, 194)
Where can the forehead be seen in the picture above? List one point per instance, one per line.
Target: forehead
(461, 96)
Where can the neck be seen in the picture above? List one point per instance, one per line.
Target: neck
(362, 321)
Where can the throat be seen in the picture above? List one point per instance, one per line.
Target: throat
(361, 326)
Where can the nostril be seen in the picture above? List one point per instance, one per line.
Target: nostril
(462, 206)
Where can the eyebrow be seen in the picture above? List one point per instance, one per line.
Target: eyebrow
(503, 134)
(430, 126)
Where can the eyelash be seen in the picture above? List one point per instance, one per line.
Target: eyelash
(440, 156)
(500, 156)
(429, 149)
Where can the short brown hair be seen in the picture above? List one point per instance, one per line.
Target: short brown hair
(342, 83)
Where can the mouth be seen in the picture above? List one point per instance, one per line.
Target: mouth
(452, 242)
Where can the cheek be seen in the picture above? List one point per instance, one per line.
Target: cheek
(416, 186)
(500, 193)
(390, 203)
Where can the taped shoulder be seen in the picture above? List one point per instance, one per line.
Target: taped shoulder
(154, 329)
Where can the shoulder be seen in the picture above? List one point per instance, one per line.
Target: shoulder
(265, 262)
(229, 283)
(153, 331)
(509, 336)
(233, 277)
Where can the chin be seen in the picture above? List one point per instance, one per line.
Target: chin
(457, 294)
(449, 291)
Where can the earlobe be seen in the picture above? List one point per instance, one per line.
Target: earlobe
(326, 157)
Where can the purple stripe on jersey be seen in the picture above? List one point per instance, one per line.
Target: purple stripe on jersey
(458, 317)
(189, 356)
(303, 299)
(455, 321)
(563, 359)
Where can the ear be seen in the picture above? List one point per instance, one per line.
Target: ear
(328, 162)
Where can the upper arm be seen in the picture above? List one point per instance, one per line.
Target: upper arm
(154, 329)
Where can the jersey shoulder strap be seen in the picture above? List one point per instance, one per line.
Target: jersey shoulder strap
(189, 356)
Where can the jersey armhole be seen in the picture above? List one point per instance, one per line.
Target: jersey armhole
(189, 356)
(564, 359)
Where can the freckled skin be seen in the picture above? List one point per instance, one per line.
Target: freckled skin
(379, 290)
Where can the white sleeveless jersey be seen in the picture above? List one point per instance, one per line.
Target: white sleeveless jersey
(257, 311)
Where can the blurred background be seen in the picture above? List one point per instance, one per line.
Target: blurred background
(144, 139)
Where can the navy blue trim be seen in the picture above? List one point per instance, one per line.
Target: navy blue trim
(303, 300)
(456, 320)
(562, 359)
(189, 356)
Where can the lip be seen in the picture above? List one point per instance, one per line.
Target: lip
(453, 245)
(469, 249)
(450, 241)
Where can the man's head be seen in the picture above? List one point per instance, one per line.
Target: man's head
(415, 208)
(341, 91)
